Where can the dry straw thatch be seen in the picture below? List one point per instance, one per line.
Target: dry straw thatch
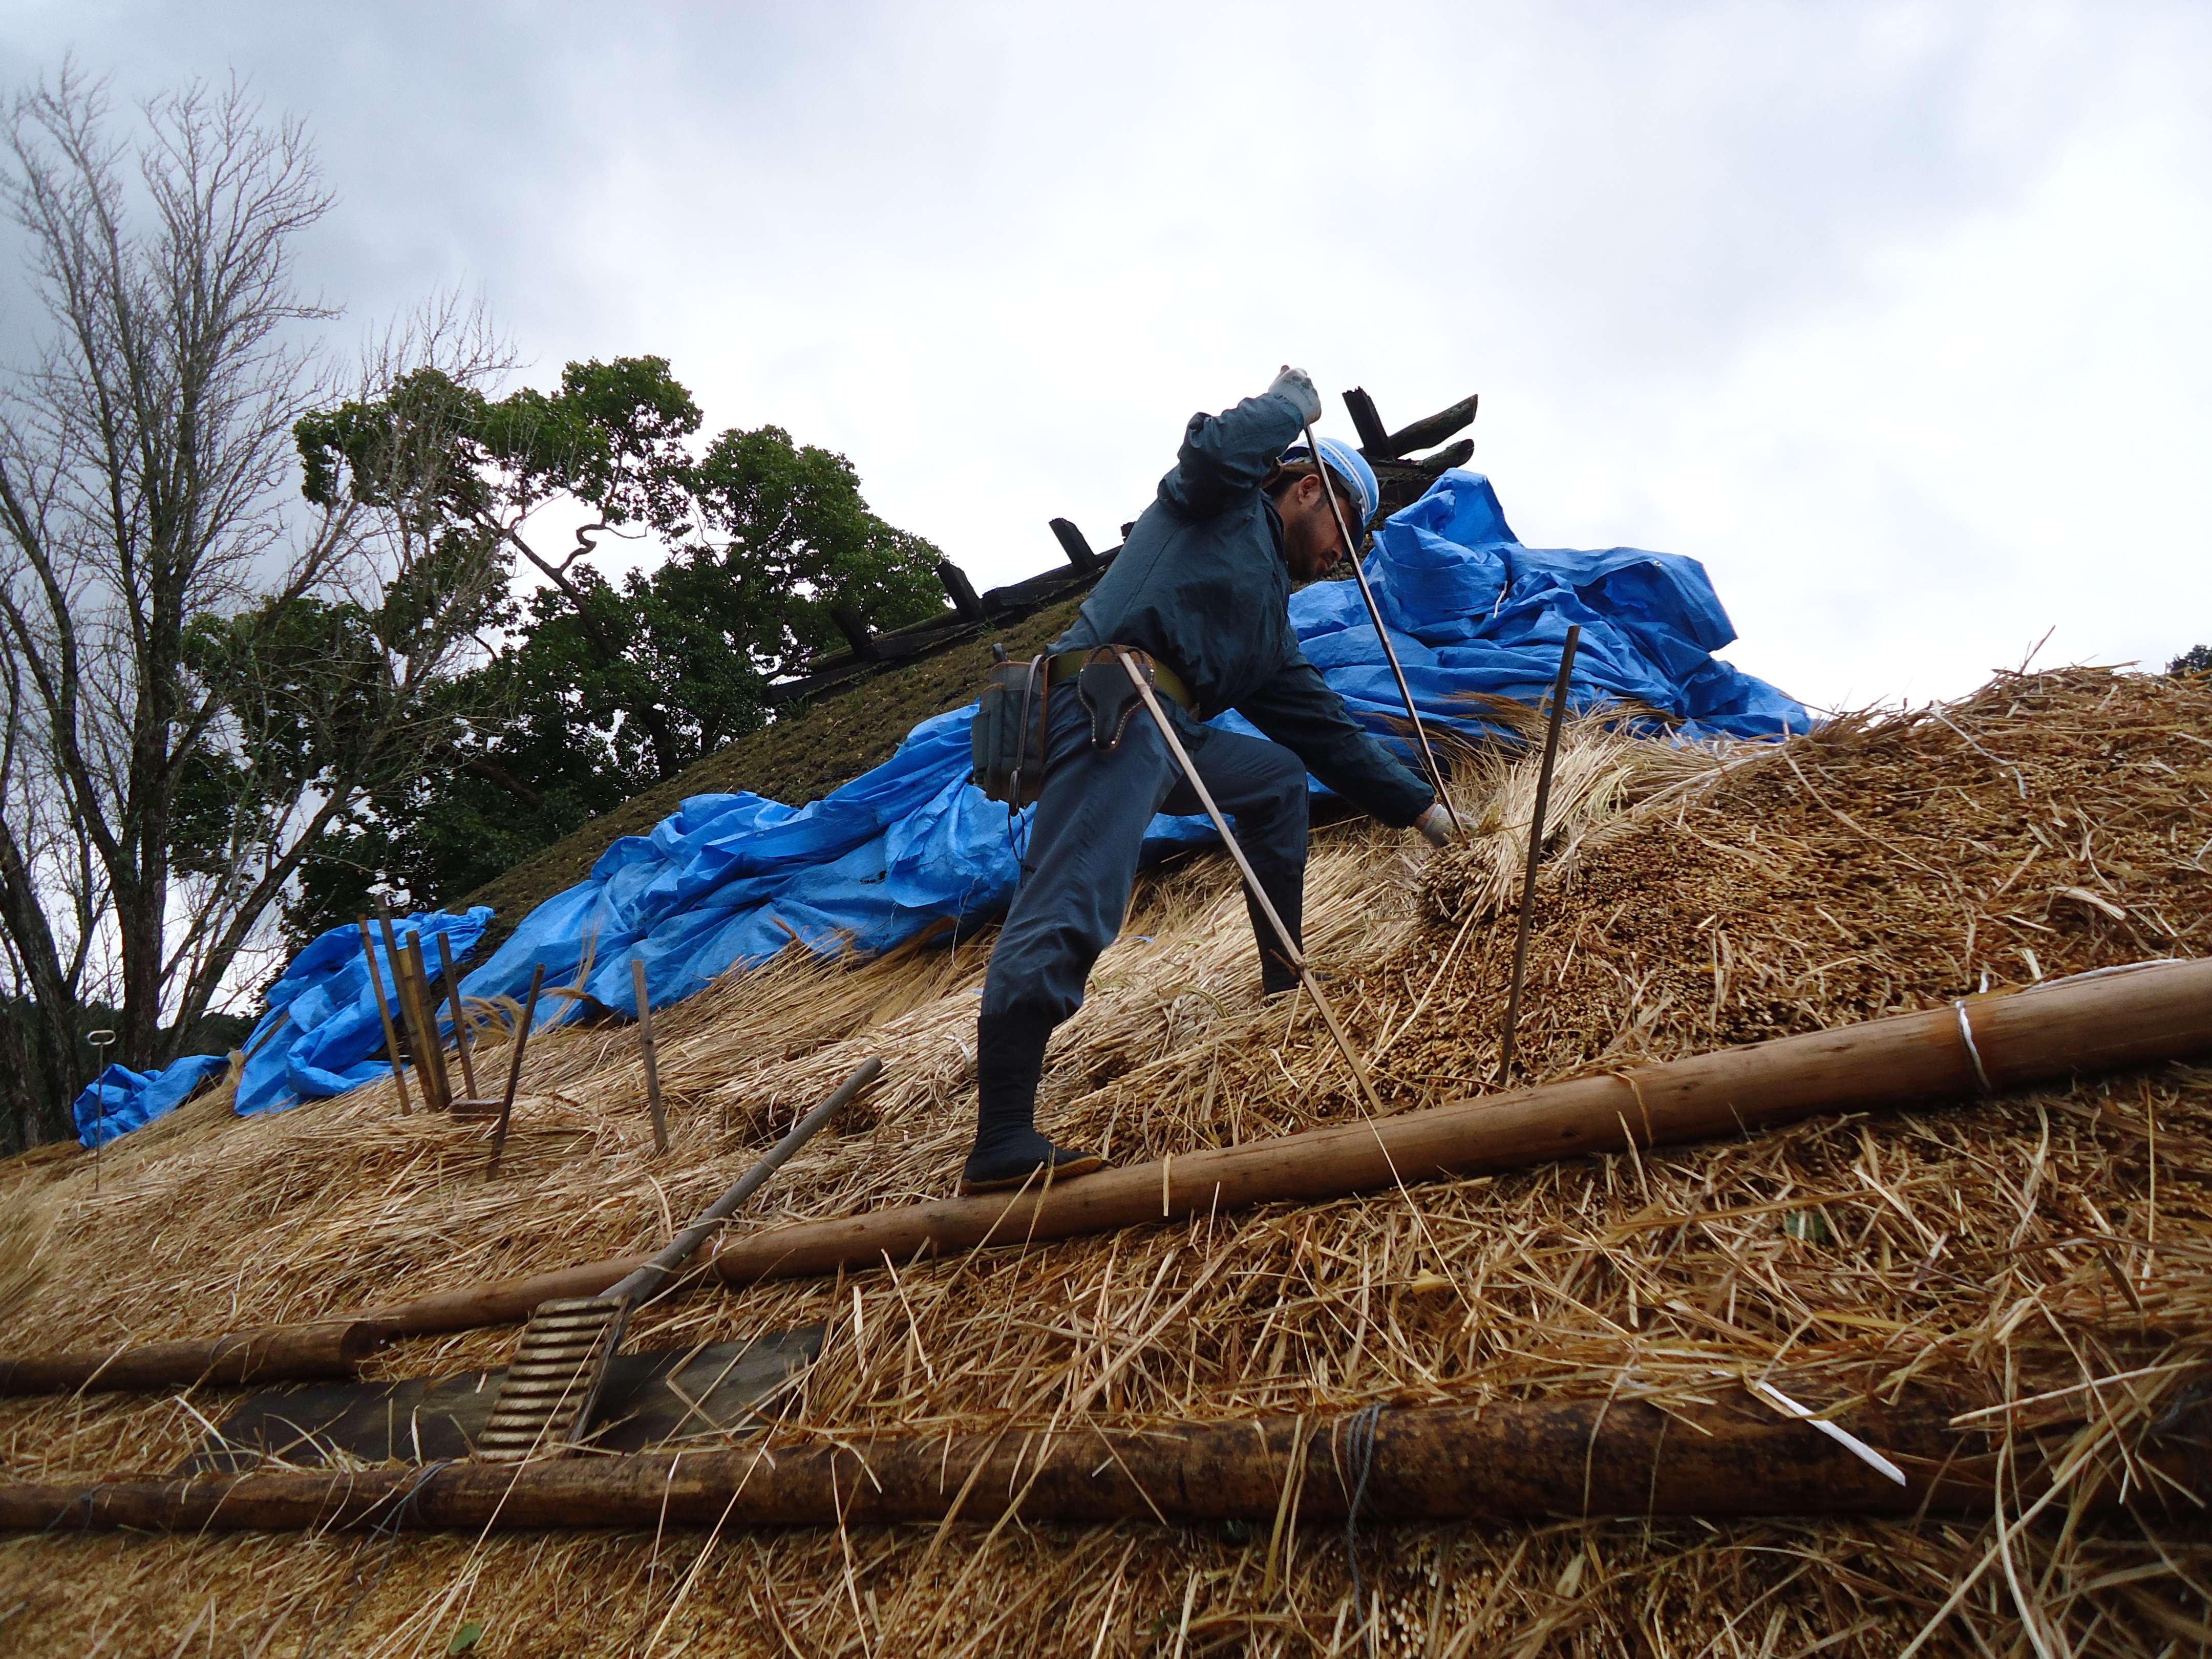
(2049, 824)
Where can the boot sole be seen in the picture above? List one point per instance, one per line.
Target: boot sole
(1067, 1171)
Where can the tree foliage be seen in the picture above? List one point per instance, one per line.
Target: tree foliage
(598, 687)
(198, 680)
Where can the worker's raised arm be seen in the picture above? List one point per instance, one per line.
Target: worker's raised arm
(1228, 455)
(1297, 708)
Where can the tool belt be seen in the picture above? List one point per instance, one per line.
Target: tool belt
(1009, 733)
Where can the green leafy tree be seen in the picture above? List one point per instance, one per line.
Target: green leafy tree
(2197, 660)
(600, 688)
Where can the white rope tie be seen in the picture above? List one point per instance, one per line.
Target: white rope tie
(1966, 1036)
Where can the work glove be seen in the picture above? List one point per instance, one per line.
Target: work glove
(1436, 825)
(1297, 385)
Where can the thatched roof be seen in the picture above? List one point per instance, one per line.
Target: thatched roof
(2051, 825)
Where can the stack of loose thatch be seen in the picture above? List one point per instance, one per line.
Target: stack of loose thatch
(2052, 824)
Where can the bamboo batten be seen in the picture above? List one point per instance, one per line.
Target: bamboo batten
(2161, 1011)
(1549, 1458)
(2154, 1011)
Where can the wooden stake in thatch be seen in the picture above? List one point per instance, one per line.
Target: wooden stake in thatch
(384, 1013)
(422, 1030)
(1535, 850)
(515, 1069)
(461, 1020)
(431, 1061)
(645, 1048)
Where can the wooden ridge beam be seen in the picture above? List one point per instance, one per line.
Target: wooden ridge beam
(1498, 1462)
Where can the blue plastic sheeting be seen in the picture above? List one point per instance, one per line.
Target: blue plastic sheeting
(120, 1100)
(322, 1035)
(729, 880)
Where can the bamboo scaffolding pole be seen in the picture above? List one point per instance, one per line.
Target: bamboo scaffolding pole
(1499, 1461)
(2099, 1022)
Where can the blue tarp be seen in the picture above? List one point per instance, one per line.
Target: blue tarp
(730, 879)
(322, 1035)
(120, 1100)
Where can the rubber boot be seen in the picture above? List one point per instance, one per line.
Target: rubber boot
(1009, 1151)
(1286, 891)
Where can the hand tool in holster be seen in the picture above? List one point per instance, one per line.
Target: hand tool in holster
(1292, 953)
(1375, 615)
(549, 1394)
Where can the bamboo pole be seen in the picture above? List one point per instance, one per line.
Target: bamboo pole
(2155, 1012)
(2100, 1021)
(645, 1047)
(1499, 1461)
(384, 1013)
(280, 1353)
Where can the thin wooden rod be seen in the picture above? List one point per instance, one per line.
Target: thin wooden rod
(1382, 632)
(1535, 850)
(645, 1048)
(384, 1013)
(514, 1070)
(461, 1020)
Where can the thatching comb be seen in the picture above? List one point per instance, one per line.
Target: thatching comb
(548, 1396)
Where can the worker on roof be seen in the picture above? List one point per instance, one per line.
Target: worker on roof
(1201, 588)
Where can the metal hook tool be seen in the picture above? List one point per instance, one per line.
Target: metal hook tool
(1291, 952)
(1381, 633)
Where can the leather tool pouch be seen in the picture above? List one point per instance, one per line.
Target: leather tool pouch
(1009, 733)
(1103, 686)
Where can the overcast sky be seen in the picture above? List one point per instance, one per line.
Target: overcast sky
(1894, 316)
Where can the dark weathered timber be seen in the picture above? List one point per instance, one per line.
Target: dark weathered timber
(1450, 455)
(1374, 436)
(280, 1353)
(1500, 1462)
(1430, 429)
(960, 592)
(1071, 542)
(854, 627)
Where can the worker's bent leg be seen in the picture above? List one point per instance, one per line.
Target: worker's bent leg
(1080, 866)
(1262, 786)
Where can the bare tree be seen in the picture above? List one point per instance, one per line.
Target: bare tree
(201, 672)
